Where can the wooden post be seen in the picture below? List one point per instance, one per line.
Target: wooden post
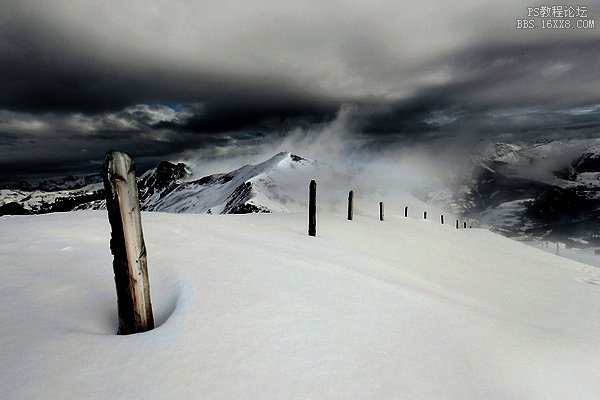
(312, 209)
(456, 224)
(350, 205)
(465, 224)
(406, 212)
(381, 210)
(127, 244)
(424, 214)
(442, 219)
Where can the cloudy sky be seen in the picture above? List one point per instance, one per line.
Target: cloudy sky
(206, 80)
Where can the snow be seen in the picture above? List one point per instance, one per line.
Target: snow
(35, 199)
(249, 306)
(271, 185)
(507, 216)
(587, 255)
(501, 152)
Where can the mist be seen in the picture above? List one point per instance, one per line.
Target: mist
(398, 174)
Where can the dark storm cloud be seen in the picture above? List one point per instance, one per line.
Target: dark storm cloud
(165, 78)
(46, 69)
(271, 115)
(40, 77)
(524, 89)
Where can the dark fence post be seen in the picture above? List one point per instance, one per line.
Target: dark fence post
(312, 209)
(127, 244)
(424, 214)
(381, 210)
(442, 219)
(465, 224)
(350, 205)
(406, 211)
(456, 224)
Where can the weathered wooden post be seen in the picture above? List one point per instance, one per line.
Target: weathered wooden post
(465, 224)
(312, 209)
(406, 212)
(381, 210)
(456, 224)
(442, 219)
(350, 205)
(127, 244)
(424, 214)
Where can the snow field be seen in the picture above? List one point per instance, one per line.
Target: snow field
(249, 306)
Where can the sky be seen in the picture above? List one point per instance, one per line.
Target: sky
(208, 82)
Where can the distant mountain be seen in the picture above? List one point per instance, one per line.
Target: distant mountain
(22, 202)
(589, 162)
(266, 187)
(52, 195)
(544, 189)
(52, 185)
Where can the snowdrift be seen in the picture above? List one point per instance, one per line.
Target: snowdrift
(249, 306)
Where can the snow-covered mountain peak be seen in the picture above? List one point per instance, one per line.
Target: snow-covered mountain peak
(165, 173)
(287, 160)
(277, 184)
(279, 161)
(156, 183)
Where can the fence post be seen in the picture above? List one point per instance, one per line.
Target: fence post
(465, 224)
(381, 210)
(442, 219)
(127, 244)
(312, 209)
(424, 214)
(456, 224)
(350, 205)
(406, 212)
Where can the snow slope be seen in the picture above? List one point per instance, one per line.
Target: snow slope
(270, 186)
(249, 306)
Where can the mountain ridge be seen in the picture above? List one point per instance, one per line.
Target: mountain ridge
(172, 187)
(542, 190)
